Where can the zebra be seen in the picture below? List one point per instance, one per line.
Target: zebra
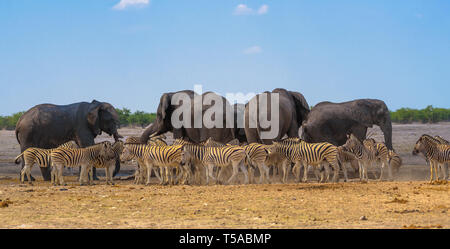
(216, 156)
(40, 156)
(165, 157)
(348, 157)
(140, 173)
(366, 155)
(257, 155)
(443, 167)
(71, 157)
(436, 153)
(395, 161)
(315, 154)
(109, 162)
(157, 140)
(382, 155)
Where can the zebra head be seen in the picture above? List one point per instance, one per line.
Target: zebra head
(353, 145)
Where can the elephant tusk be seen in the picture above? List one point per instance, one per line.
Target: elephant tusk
(154, 134)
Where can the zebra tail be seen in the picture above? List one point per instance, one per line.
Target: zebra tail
(248, 159)
(16, 160)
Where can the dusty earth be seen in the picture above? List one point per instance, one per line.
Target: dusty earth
(407, 202)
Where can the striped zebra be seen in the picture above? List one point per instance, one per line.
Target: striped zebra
(140, 173)
(40, 156)
(216, 156)
(84, 157)
(314, 154)
(108, 163)
(443, 167)
(165, 157)
(157, 140)
(395, 161)
(257, 155)
(382, 155)
(366, 155)
(436, 153)
(345, 158)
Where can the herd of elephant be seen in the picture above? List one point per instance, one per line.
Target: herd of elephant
(48, 126)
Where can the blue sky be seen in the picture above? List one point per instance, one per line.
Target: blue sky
(129, 52)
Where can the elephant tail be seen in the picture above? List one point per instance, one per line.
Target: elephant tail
(18, 158)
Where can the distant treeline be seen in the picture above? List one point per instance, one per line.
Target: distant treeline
(426, 115)
(140, 118)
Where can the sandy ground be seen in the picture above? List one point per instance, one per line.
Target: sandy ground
(408, 202)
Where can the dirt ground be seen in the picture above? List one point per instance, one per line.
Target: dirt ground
(407, 202)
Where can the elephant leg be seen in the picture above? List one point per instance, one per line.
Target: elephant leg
(46, 173)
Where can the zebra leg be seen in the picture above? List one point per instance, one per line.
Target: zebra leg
(390, 175)
(286, 167)
(360, 171)
(305, 172)
(251, 174)
(336, 171)
(436, 170)
(91, 172)
(445, 169)
(264, 173)
(235, 172)
(155, 170)
(82, 172)
(431, 171)
(296, 171)
(60, 175)
(244, 170)
(210, 172)
(345, 172)
(381, 172)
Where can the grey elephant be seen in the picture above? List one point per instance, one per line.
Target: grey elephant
(331, 122)
(168, 109)
(293, 109)
(48, 126)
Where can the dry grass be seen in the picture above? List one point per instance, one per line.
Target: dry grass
(303, 205)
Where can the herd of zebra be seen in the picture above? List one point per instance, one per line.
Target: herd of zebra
(184, 162)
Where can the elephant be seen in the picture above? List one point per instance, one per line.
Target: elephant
(293, 109)
(332, 122)
(169, 108)
(48, 126)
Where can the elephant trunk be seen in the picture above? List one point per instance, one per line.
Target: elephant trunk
(151, 131)
(386, 128)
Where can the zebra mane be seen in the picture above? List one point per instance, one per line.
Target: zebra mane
(289, 140)
(441, 140)
(429, 139)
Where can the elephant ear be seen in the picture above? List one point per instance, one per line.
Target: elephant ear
(164, 104)
(300, 105)
(93, 117)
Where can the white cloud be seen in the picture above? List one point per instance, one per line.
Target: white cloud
(126, 3)
(263, 9)
(243, 9)
(253, 50)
